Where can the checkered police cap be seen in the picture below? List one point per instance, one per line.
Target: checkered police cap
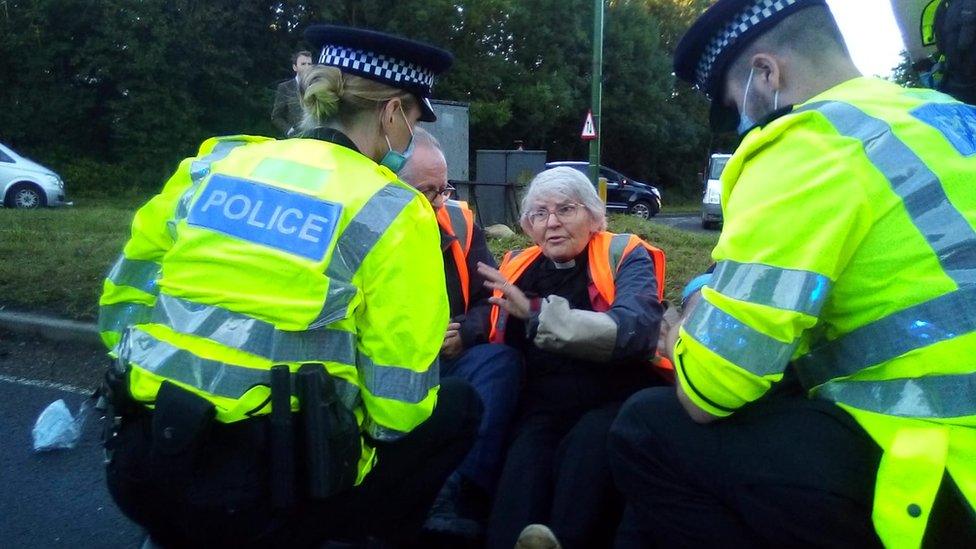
(377, 67)
(723, 31)
(397, 62)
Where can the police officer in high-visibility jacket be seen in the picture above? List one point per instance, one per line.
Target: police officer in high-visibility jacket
(940, 37)
(277, 371)
(826, 373)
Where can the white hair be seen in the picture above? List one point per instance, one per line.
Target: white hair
(421, 139)
(570, 183)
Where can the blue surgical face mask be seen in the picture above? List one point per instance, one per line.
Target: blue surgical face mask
(746, 122)
(395, 160)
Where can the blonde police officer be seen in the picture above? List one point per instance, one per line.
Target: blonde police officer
(826, 375)
(309, 251)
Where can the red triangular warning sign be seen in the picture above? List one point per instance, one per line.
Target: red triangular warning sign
(589, 128)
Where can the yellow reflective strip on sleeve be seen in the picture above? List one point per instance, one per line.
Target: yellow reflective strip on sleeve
(788, 289)
(691, 390)
(396, 382)
(722, 386)
(392, 419)
(136, 273)
(737, 342)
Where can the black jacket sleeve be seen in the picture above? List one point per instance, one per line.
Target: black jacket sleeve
(636, 309)
(475, 327)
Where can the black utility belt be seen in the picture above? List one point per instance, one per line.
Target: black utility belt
(321, 440)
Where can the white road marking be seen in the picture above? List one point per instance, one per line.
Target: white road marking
(45, 384)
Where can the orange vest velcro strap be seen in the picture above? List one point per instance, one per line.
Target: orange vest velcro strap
(608, 251)
(458, 222)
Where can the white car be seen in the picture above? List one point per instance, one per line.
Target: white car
(26, 184)
(711, 215)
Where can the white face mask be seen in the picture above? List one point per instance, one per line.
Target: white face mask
(746, 122)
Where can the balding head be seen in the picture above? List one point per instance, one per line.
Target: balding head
(426, 170)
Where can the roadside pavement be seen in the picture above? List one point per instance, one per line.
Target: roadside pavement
(58, 498)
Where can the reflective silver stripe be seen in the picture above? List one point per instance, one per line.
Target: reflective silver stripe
(211, 376)
(787, 289)
(355, 243)
(931, 397)
(940, 319)
(396, 382)
(617, 245)
(736, 342)
(254, 336)
(136, 273)
(199, 169)
(385, 434)
(943, 226)
(459, 225)
(118, 316)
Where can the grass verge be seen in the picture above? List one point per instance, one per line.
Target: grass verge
(54, 260)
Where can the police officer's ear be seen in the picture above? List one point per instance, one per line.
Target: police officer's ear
(768, 75)
(389, 113)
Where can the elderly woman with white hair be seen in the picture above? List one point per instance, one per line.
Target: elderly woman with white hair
(584, 307)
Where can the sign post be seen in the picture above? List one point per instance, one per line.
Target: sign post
(593, 118)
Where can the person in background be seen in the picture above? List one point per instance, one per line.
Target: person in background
(287, 112)
(826, 367)
(276, 340)
(493, 370)
(584, 307)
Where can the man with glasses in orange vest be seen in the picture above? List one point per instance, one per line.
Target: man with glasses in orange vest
(493, 370)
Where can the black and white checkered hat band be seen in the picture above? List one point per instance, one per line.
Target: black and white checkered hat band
(381, 66)
(759, 11)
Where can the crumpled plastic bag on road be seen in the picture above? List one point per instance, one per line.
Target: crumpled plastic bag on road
(57, 429)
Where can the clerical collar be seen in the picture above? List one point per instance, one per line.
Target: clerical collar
(565, 265)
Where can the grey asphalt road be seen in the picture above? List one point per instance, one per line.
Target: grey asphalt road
(58, 498)
(690, 222)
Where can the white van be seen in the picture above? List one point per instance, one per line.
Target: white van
(26, 184)
(711, 216)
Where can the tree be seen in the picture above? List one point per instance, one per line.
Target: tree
(904, 74)
(121, 90)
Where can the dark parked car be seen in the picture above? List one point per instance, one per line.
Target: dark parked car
(623, 193)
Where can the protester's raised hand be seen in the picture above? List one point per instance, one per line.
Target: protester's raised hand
(513, 300)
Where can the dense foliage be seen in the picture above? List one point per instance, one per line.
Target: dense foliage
(112, 93)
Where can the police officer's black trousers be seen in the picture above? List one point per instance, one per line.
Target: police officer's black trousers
(786, 471)
(227, 500)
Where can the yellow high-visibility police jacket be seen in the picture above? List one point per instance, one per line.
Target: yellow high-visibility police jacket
(849, 250)
(260, 252)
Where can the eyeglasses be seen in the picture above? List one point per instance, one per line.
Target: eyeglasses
(562, 213)
(446, 191)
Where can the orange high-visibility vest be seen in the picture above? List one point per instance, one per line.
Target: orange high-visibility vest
(457, 220)
(606, 252)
